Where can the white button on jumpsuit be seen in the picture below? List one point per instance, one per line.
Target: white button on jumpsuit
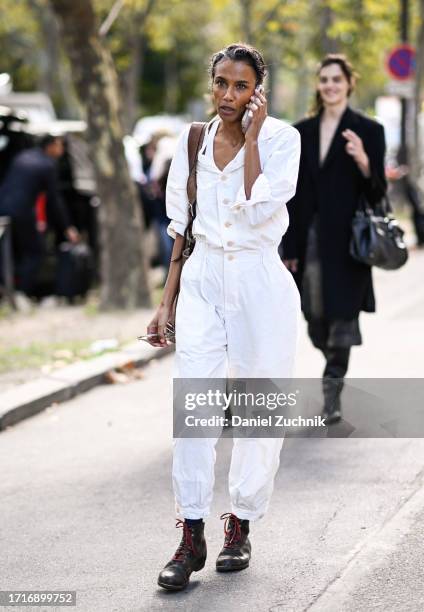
(238, 308)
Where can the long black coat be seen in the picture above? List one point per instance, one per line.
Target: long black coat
(334, 191)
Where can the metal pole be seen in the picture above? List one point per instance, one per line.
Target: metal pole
(404, 37)
(411, 191)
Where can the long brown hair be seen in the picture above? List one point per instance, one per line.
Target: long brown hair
(347, 69)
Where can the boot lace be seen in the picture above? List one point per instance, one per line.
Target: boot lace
(186, 544)
(232, 530)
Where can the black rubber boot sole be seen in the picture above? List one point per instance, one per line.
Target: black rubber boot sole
(173, 587)
(232, 568)
(169, 587)
(332, 417)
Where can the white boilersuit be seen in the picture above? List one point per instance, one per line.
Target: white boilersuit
(238, 308)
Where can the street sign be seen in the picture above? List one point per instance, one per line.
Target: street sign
(402, 89)
(401, 62)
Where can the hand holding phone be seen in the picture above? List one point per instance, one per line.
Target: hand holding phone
(247, 117)
(161, 329)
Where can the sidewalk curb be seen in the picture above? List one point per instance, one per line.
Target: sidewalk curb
(372, 553)
(31, 398)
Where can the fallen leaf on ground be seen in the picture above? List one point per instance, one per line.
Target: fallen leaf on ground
(113, 377)
(126, 367)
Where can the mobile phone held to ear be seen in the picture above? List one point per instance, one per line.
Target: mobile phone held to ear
(247, 117)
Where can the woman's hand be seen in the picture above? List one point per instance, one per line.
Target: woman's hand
(355, 148)
(258, 108)
(157, 326)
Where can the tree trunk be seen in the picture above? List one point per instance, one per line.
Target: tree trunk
(129, 81)
(171, 83)
(123, 271)
(131, 77)
(302, 97)
(246, 21)
(328, 44)
(54, 78)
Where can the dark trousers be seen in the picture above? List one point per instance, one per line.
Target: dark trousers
(28, 250)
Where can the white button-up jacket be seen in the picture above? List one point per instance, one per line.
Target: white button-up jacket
(224, 217)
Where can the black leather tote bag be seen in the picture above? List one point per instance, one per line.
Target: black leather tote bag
(377, 238)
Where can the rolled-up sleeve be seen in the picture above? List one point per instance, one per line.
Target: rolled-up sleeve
(176, 188)
(276, 184)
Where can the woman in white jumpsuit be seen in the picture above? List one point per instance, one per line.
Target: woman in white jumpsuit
(238, 306)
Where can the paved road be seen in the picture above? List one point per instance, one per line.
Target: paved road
(86, 503)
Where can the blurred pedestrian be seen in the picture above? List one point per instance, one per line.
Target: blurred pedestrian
(31, 174)
(78, 190)
(342, 164)
(159, 171)
(147, 195)
(245, 175)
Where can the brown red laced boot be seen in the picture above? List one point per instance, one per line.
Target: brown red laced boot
(235, 554)
(189, 557)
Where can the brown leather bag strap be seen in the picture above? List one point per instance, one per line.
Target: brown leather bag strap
(195, 141)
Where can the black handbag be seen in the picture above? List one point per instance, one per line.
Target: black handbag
(377, 238)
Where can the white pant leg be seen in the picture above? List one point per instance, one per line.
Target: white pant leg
(254, 464)
(200, 353)
(261, 344)
(245, 308)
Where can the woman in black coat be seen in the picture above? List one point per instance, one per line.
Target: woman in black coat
(342, 165)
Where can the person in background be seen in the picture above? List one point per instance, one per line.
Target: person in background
(78, 190)
(342, 164)
(156, 155)
(147, 196)
(32, 173)
(159, 171)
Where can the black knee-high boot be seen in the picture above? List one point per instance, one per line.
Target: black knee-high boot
(332, 382)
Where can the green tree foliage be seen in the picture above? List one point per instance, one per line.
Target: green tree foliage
(19, 38)
(161, 47)
(364, 30)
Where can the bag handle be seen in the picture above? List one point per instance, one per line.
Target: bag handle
(195, 141)
(382, 205)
